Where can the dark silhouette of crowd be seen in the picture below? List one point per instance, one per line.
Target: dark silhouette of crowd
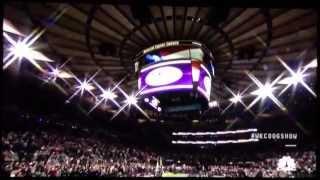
(50, 153)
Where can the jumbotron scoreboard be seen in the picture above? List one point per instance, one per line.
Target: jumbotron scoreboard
(175, 76)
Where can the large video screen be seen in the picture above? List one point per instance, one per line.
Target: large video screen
(175, 76)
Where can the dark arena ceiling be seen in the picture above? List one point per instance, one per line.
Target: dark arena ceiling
(106, 37)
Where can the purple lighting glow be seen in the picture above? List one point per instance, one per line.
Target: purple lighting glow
(175, 76)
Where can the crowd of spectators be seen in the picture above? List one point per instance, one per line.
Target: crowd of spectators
(51, 153)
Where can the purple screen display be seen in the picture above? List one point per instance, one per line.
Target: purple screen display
(172, 76)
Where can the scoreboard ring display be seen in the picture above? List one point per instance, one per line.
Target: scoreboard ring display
(175, 69)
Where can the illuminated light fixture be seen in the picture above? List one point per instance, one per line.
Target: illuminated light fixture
(22, 49)
(264, 91)
(146, 100)
(8, 27)
(236, 99)
(130, 100)
(296, 77)
(163, 76)
(165, 64)
(107, 94)
(159, 109)
(57, 72)
(84, 86)
(154, 102)
(195, 70)
(213, 104)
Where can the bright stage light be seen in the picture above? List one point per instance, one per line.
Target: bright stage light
(159, 109)
(22, 49)
(56, 72)
(264, 91)
(213, 104)
(61, 74)
(146, 100)
(85, 86)
(108, 95)
(296, 77)
(236, 99)
(131, 100)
